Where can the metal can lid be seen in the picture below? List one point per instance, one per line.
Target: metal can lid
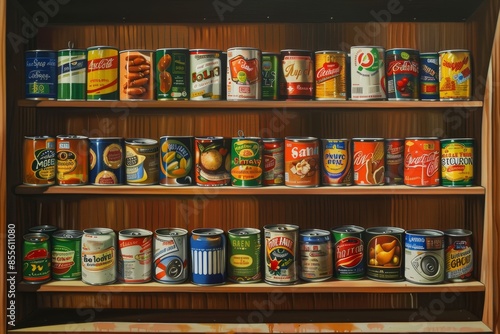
(207, 231)
(136, 50)
(68, 234)
(332, 140)
(135, 232)
(243, 231)
(453, 50)
(422, 138)
(209, 138)
(98, 231)
(457, 232)
(173, 49)
(281, 227)
(102, 47)
(454, 140)
(36, 237)
(171, 231)
(77, 50)
(368, 139)
(401, 49)
(367, 46)
(314, 232)
(331, 51)
(348, 229)
(425, 232)
(384, 230)
(41, 50)
(428, 54)
(43, 228)
(242, 48)
(140, 141)
(44, 137)
(105, 138)
(266, 53)
(300, 139)
(196, 51)
(71, 137)
(298, 51)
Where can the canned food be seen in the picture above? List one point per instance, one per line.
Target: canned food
(459, 260)
(457, 162)
(244, 74)
(102, 73)
(41, 74)
(98, 256)
(368, 161)
(244, 255)
(270, 76)
(394, 166)
(134, 260)
(172, 74)
(107, 161)
(213, 161)
(384, 257)
(315, 255)
(274, 160)
(349, 252)
(429, 76)
(246, 162)
(367, 73)
(208, 256)
(424, 256)
(36, 258)
(302, 168)
(171, 255)
(330, 75)
(337, 162)
(455, 75)
(136, 75)
(72, 75)
(176, 160)
(402, 74)
(281, 251)
(45, 229)
(39, 161)
(141, 161)
(206, 74)
(297, 74)
(72, 162)
(66, 255)
(421, 166)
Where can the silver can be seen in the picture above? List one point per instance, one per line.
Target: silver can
(206, 74)
(98, 256)
(134, 260)
(170, 255)
(243, 74)
(281, 254)
(424, 256)
(316, 255)
(367, 73)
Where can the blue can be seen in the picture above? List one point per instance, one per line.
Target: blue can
(316, 255)
(429, 76)
(41, 74)
(107, 161)
(208, 256)
(402, 68)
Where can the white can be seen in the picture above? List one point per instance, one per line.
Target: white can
(206, 74)
(244, 75)
(367, 73)
(135, 258)
(98, 256)
(424, 256)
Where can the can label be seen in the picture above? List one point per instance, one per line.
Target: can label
(316, 255)
(72, 75)
(274, 159)
(367, 73)
(41, 74)
(206, 72)
(136, 75)
(337, 162)
(176, 161)
(281, 250)
(98, 256)
(424, 256)
(246, 162)
(36, 258)
(244, 255)
(213, 163)
(384, 253)
(72, 163)
(349, 252)
(270, 76)
(208, 256)
(394, 156)
(134, 260)
(330, 75)
(368, 161)
(102, 73)
(243, 74)
(457, 162)
(429, 76)
(421, 166)
(172, 74)
(141, 161)
(107, 161)
(39, 161)
(458, 255)
(297, 74)
(455, 75)
(402, 74)
(66, 255)
(302, 168)
(170, 255)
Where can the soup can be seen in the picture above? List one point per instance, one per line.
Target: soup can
(455, 75)
(402, 73)
(349, 252)
(102, 73)
(316, 255)
(176, 160)
(206, 74)
(330, 81)
(66, 255)
(424, 256)
(45, 229)
(39, 155)
(36, 258)
(246, 162)
(394, 156)
(368, 73)
(244, 75)
(297, 74)
(281, 254)
(421, 164)
(136, 75)
(208, 256)
(107, 161)
(170, 255)
(429, 76)
(213, 161)
(72, 75)
(457, 162)
(337, 162)
(459, 259)
(99, 256)
(72, 160)
(384, 253)
(270, 76)
(302, 166)
(134, 257)
(274, 160)
(172, 74)
(244, 255)
(368, 161)
(40, 74)
(141, 161)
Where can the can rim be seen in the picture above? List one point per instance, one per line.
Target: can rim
(72, 50)
(270, 53)
(243, 48)
(429, 53)
(367, 46)
(348, 229)
(375, 139)
(45, 227)
(40, 50)
(425, 232)
(160, 231)
(136, 50)
(135, 233)
(32, 237)
(250, 230)
(104, 138)
(177, 49)
(314, 232)
(457, 232)
(299, 139)
(71, 137)
(455, 139)
(402, 49)
(209, 138)
(98, 231)
(102, 47)
(286, 227)
(330, 139)
(63, 234)
(384, 230)
(330, 51)
(205, 231)
(38, 137)
(173, 137)
(296, 50)
(454, 50)
(422, 138)
(141, 141)
(205, 50)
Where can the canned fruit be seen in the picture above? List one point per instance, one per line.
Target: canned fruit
(302, 167)
(176, 162)
(402, 74)
(213, 161)
(39, 161)
(384, 253)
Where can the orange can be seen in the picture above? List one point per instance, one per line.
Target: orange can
(421, 166)
(39, 161)
(302, 168)
(72, 160)
(368, 161)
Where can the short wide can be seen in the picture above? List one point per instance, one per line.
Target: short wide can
(424, 256)
(39, 155)
(384, 253)
(244, 255)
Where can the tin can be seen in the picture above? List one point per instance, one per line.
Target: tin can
(384, 253)
(41, 74)
(172, 74)
(368, 161)
(270, 76)
(297, 74)
(459, 259)
(455, 75)
(39, 155)
(72, 160)
(367, 73)
(394, 165)
(244, 255)
(66, 255)
(223, 75)
(281, 254)
(107, 159)
(135, 258)
(45, 229)
(98, 256)
(349, 263)
(72, 75)
(244, 75)
(208, 256)
(457, 162)
(102, 73)
(176, 160)
(337, 162)
(36, 258)
(302, 166)
(246, 162)
(424, 256)
(170, 255)
(316, 257)
(213, 161)
(429, 76)
(206, 74)
(141, 161)
(330, 75)
(274, 161)
(421, 166)
(402, 73)
(136, 75)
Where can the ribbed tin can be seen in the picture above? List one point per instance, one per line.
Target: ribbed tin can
(102, 73)
(349, 252)
(368, 73)
(316, 255)
(281, 254)
(455, 75)
(72, 75)
(66, 255)
(429, 76)
(302, 164)
(170, 255)
(297, 74)
(40, 74)
(107, 161)
(274, 161)
(72, 160)
(421, 161)
(459, 259)
(212, 161)
(337, 162)
(368, 161)
(36, 258)
(172, 74)
(208, 256)
(244, 255)
(206, 74)
(99, 252)
(384, 253)
(402, 73)
(330, 81)
(424, 256)
(141, 161)
(136, 75)
(246, 162)
(244, 75)
(457, 162)
(135, 255)
(39, 156)
(176, 160)
(394, 161)
(270, 76)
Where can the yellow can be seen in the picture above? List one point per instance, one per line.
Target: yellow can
(455, 75)
(330, 75)
(102, 73)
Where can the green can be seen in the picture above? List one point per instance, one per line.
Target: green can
(36, 258)
(172, 74)
(72, 75)
(349, 260)
(66, 255)
(244, 253)
(246, 162)
(457, 162)
(270, 86)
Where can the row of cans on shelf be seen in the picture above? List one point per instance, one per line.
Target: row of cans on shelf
(245, 73)
(210, 256)
(248, 161)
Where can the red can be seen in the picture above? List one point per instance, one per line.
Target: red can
(368, 161)
(421, 164)
(394, 153)
(302, 167)
(274, 150)
(297, 74)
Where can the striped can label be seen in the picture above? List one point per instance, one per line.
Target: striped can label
(102, 73)
(72, 75)
(208, 256)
